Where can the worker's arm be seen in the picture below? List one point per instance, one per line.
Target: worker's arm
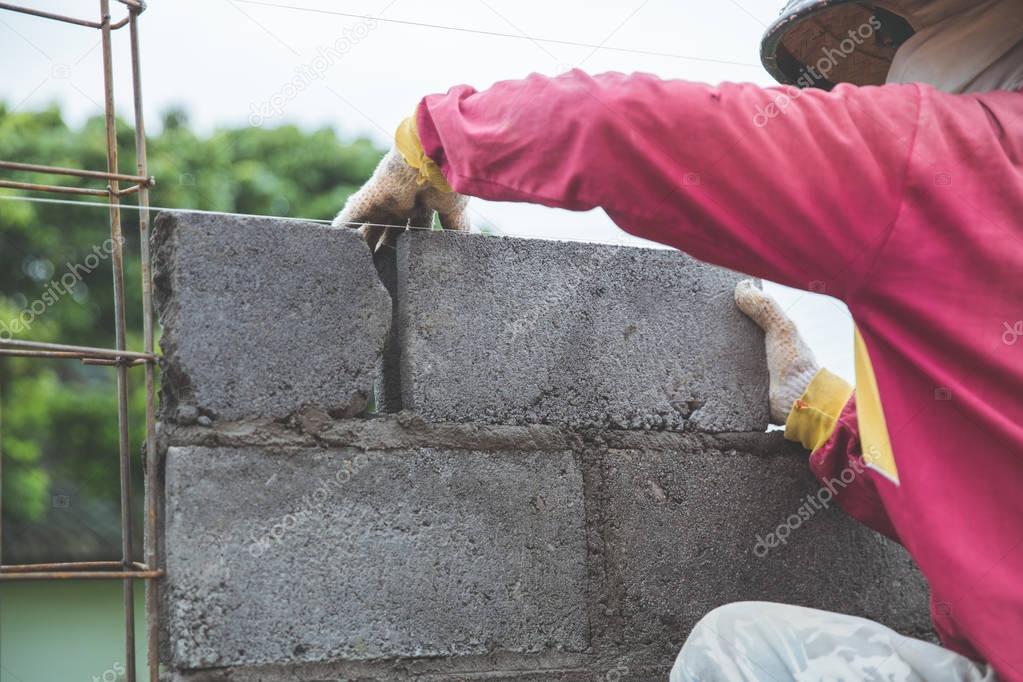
(818, 409)
(837, 458)
(802, 195)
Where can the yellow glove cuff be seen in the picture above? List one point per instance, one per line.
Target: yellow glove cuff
(814, 416)
(408, 144)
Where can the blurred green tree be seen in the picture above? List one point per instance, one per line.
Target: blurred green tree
(58, 419)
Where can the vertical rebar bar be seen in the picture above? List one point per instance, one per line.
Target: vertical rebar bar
(152, 460)
(124, 359)
(1, 473)
(117, 262)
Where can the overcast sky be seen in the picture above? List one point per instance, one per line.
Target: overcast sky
(225, 60)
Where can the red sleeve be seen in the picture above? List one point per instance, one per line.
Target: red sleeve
(797, 186)
(838, 465)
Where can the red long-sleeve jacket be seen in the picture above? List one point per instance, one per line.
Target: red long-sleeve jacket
(904, 202)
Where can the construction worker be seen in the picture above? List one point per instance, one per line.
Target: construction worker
(890, 177)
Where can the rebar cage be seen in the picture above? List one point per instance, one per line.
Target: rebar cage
(120, 358)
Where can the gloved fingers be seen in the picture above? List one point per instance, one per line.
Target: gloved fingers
(389, 238)
(388, 234)
(451, 206)
(393, 198)
(791, 364)
(372, 234)
(760, 307)
(373, 205)
(387, 198)
(422, 217)
(456, 220)
(356, 211)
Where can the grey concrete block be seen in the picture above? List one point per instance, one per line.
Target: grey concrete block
(516, 331)
(682, 532)
(264, 316)
(500, 667)
(306, 555)
(387, 389)
(396, 672)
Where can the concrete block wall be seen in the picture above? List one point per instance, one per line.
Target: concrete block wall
(567, 468)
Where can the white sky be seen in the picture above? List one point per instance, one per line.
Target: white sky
(221, 59)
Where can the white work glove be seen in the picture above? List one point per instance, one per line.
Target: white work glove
(790, 362)
(405, 190)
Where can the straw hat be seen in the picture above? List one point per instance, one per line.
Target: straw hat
(820, 43)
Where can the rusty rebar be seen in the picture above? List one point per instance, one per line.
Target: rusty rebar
(49, 15)
(127, 576)
(58, 355)
(1, 477)
(126, 569)
(120, 333)
(68, 566)
(129, 190)
(153, 493)
(60, 189)
(77, 172)
(82, 351)
(70, 570)
(113, 363)
(21, 9)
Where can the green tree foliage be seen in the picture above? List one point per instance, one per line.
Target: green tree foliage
(58, 424)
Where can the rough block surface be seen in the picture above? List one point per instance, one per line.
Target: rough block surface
(577, 471)
(683, 534)
(305, 555)
(262, 316)
(516, 331)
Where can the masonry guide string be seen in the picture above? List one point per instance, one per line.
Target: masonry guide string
(630, 241)
(635, 242)
(497, 34)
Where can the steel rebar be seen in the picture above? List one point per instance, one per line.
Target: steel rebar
(117, 266)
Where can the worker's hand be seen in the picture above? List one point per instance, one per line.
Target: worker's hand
(790, 362)
(405, 190)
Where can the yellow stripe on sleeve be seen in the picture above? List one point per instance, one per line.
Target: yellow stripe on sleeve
(877, 448)
(408, 144)
(814, 416)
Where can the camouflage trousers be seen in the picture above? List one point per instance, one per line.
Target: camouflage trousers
(766, 642)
